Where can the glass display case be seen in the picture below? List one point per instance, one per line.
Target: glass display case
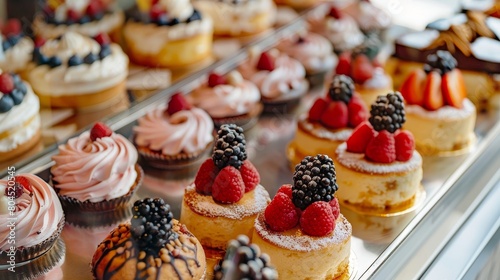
(452, 232)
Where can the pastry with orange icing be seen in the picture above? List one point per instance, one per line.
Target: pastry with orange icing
(302, 229)
(153, 245)
(378, 166)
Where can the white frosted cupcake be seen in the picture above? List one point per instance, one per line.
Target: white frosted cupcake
(15, 48)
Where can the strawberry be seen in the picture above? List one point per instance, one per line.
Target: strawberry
(228, 186)
(100, 130)
(6, 83)
(94, 8)
(334, 203)
(317, 219)
(413, 88)
(361, 69)
(433, 98)
(280, 214)
(360, 137)
(250, 175)
(286, 189)
(73, 15)
(335, 13)
(453, 88)
(102, 39)
(358, 112)
(405, 145)
(215, 80)
(317, 109)
(177, 103)
(205, 177)
(23, 181)
(156, 11)
(39, 41)
(381, 148)
(344, 64)
(335, 115)
(12, 27)
(266, 62)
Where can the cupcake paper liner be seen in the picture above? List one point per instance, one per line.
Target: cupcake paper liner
(70, 204)
(175, 162)
(245, 121)
(98, 218)
(285, 104)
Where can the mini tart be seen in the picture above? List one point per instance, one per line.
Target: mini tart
(378, 186)
(297, 255)
(119, 257)
(215, 224)
(238, 18)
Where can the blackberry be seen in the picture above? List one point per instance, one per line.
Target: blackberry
(388, 112)
(152, 224)
(314, 180)
(442, 61)
(341, 88)
(229, 147)
(244, 261)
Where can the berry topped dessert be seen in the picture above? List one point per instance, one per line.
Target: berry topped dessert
(330, 120)
(438, 112)
(363, 66)
(19, 117)
(174, 136)
(152, 246)
(378, 165)
(226, 196)
(88, 17)
(244, 261)
(168, 33)
(15, 47)
(77, 71)
(303, 224)
(229, 99)
(238, 18)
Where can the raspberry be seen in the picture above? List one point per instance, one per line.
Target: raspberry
(94, 8)
(250, 175)
(100, 130)
(156, 11)
(12, 27)
(228, 186)
(317, 219)
(73, 16)
(286, 189)
(317, 109)
(205, 177)
(405, 145)
(335, 115)
(362, 69)
(215, 80)
(382, 148)
(344, 65)
(39, 41)
(23, 181)
(6, 83)
(360, 137)
(335, 13)
(102, 39)
(358, 112)
(334, 203)
(177, 103)
(266, 62)
(280, 214)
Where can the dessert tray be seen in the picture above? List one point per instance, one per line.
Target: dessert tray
(380, 243)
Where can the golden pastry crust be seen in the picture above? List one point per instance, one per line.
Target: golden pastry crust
(22, 148)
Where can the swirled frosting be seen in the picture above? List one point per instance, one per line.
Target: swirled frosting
(344, 33)
(84, 78)
(17, 57)
(287, 76)
(312, 50)
(370, 17)
(226, 100)
(95, 170)
(36, 215)
(187, 131)
(180, 9)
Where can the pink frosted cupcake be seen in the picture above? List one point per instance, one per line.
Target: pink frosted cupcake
(96, 171)
(174, 136)
(37, 215)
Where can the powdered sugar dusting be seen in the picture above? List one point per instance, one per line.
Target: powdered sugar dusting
(443, 113)
(296, 240)
(359, 163)
(252, 203)
(322, 132)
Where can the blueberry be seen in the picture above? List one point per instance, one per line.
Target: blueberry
(22, 88)
(90, 58)
(6, 103)
(16, 79)
(173, 22)
(195, 16)
(52, 20)
(105, 51)
(17, 96)
(74, 61)
(13, 40)
(6, 45)
(84, 19)
(54, 61)
(39, 58)
(162, 20)
(98, 16)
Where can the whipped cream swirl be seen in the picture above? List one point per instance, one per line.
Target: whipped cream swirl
(187, 131)
(181, 9)
(95, 170)
(37, 214)
(17, 57)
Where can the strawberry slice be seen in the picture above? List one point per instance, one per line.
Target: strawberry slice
(413, 88)
(216, 79)
(335, 115)
(25, 182)
(335, 13)
(433, 98)
(344, 64)
(361, 69)
(360, 138)
(317, 109)
(100, 130)
(177, 103)
(358, 112)
(453, 88)
(266, 62)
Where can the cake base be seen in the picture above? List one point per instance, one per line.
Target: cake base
(22, 148)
